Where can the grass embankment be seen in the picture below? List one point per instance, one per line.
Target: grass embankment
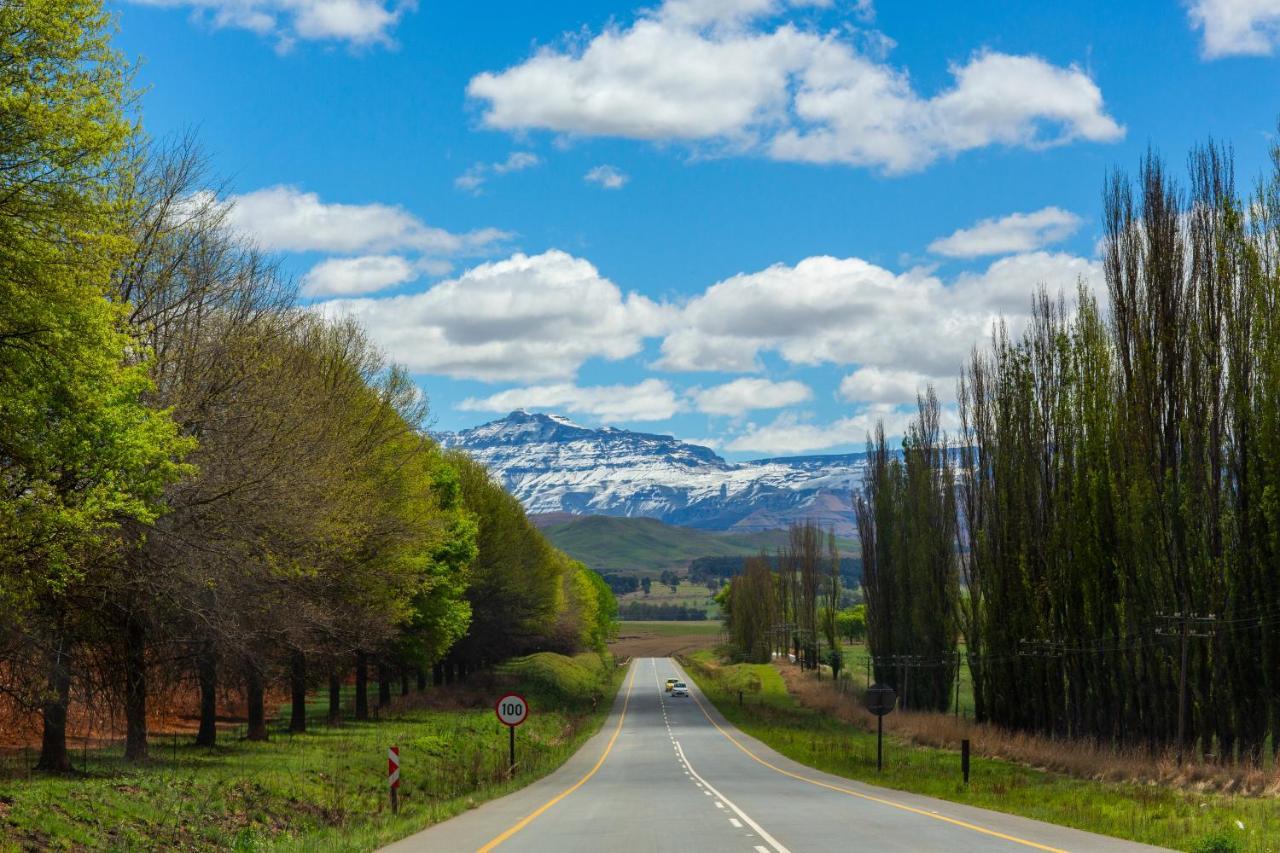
(325, 790)
(1149, 813)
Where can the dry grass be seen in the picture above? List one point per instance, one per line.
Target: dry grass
(1081, 759)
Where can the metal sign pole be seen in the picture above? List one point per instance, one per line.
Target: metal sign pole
(512, 730)
(879, 743)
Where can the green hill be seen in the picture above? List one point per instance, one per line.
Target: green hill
(646, 546)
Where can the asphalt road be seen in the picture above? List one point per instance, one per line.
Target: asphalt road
(669, 773)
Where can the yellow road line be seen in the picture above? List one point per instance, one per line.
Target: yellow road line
(869, 797)
(576, 785)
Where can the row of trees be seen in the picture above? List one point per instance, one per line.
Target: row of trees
(787, 610)
(202, 485)
(1112, 507)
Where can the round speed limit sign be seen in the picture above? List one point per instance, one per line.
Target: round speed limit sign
(512, 710)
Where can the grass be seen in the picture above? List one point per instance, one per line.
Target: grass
(325, 790)
(1148, 813)
(710, 628)
(857, 658)
(692, 595)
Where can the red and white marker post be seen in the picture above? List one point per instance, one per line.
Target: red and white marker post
(393, 777)
(512, 710)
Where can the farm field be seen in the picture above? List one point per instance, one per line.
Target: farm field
(662, 639)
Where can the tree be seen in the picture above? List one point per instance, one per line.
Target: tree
(80, 451)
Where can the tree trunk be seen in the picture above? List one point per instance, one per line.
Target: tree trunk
(253, 696)
(404, 681)
(53, 745)
(335, 699)
(135, 691)
(437, 675)
(298, 687)
(362, 686)
(384, 685)
(207, 674)
(422, 679)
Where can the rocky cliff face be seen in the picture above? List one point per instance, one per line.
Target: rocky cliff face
(554, 465)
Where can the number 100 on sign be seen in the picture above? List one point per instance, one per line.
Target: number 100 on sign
(512, 710)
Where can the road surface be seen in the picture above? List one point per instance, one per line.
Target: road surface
(670, 773)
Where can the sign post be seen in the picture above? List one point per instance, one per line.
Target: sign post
(512, 710)
(880, 701)
(393, 777)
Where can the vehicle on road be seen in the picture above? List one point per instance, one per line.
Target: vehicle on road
(680, 689)
(671, 682)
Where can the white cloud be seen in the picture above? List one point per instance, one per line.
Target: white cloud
(1236, 27)
(608, 177)
(717, 71)
(744, 395)
(526, 318)
(790, 434)
(848, 311)
(356, 276)
(358, 23)
(886, 385)
(1017, 232)
(475, 177)
(285, 218)
(650, 400)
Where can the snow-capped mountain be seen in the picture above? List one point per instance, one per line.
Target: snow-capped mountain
(554, 465)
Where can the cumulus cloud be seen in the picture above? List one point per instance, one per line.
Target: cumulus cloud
(1017, 232)
(744, 395)
(355, 276)
(526, 318)
(886, 385)
(790, 433)
(727, 72)
(286, 218)
(474, 178)
(650, 400)
(608, 177)
(358, 23)
(1236, 27)
(849, 311)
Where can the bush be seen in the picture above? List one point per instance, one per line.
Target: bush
(1217, 842)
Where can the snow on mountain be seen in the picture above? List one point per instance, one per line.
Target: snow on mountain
(552, 464)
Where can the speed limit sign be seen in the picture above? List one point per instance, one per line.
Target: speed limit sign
(512, 710)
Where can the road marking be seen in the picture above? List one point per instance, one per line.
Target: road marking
(719, 805)
(760, 849)
(769, 839)
(576, 785)
(904, 807)
(737, 824)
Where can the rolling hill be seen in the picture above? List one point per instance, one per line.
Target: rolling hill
(646, 546)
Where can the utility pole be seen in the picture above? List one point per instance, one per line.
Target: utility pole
(1181, 626)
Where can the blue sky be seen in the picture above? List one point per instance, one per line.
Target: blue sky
(761, 224)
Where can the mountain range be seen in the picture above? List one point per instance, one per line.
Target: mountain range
(553, 465)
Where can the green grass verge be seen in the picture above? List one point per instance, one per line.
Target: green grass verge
(1147, 813)
(325, 790)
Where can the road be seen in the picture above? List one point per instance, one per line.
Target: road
(670, 773)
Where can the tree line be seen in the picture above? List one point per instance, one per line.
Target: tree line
(204, 486)
(789, 610)
(1107, 539)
